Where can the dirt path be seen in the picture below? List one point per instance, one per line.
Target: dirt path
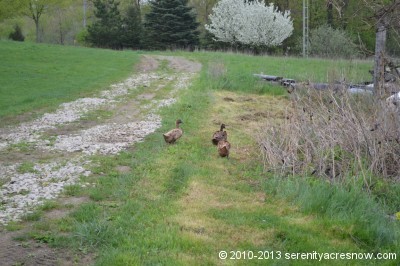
(39, 158)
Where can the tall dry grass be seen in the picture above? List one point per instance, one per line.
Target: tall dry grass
(334, 134)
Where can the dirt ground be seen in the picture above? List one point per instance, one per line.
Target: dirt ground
(130, 114)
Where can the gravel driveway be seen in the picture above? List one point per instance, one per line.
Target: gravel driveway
(39, 158)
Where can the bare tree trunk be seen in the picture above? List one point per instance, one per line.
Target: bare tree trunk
(60, 28)
(329, 13)
(379, 66)
(84, 13)
(385, 16)
(35, 13)
(37, 31)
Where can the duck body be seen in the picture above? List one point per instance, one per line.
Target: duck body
(223, 148)
(173, 135)
(219, 135)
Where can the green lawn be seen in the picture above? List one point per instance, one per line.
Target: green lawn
(40, 77)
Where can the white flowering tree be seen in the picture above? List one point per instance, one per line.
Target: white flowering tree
(251, 23)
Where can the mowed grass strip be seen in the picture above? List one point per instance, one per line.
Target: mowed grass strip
(181, 204)
(225, 206)
(39, 77)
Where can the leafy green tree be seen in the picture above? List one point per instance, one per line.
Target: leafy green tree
(171, 24)
(33, 9)
(106, 32)
(132, 28)
(11, 8)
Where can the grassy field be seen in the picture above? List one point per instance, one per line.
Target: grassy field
(37, 78)
(182, 204)
(236, 70)
(40, 77)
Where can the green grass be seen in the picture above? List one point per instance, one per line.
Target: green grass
(33, 216)
(73, 190)
(234, 72)
(26, 167)
(21, 146)
(181, 204)
(49, 205)
(359, 214)
(40, 77)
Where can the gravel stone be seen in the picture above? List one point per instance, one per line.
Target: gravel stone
(23, 191)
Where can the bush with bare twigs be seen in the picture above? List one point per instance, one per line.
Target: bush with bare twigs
(336, 135)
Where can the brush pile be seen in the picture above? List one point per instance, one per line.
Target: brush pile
(334, 134)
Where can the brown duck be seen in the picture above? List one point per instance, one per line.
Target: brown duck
(219, 135)
(174, 134)
(223, 148)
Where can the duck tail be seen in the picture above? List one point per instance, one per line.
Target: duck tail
(224, 151)
(166, 138)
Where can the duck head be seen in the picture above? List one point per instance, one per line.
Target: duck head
(178, 122)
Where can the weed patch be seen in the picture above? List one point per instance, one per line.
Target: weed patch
(362, 218)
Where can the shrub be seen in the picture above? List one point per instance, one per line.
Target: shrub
(17, 35)
(332, 43)
(334, 135)
(82, 37)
